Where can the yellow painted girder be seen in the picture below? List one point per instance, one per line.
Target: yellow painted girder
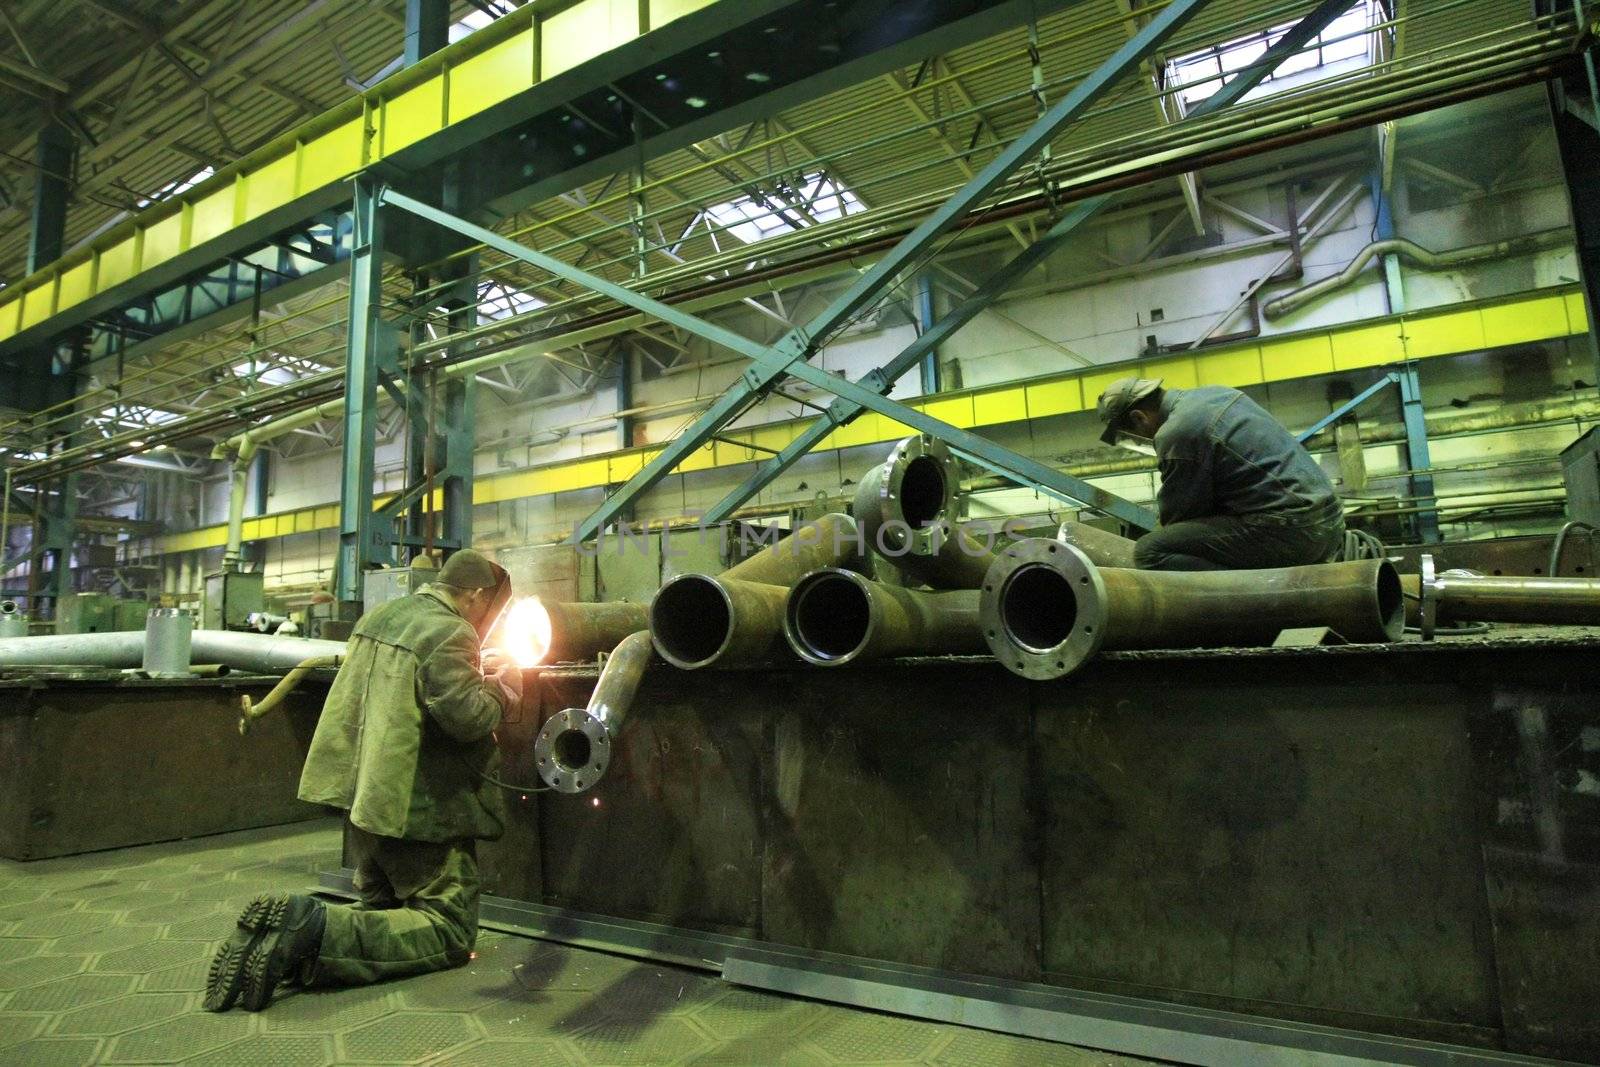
(510, 56)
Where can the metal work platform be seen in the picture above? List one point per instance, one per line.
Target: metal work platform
(105, 957)
(100, 759)
(1396, 840)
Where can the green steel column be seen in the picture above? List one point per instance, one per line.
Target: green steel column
(361, 542)
(51, 187)
(427, 28)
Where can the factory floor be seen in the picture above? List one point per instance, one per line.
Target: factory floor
(103, 959)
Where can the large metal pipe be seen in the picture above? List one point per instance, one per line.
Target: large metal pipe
(257, 653)
(1046, 609)
(574, 747)
(1494, 598)
(580, 631)
(834, 616)
(1104, 549)
(907, 508)
(737, 617)
(697, 620)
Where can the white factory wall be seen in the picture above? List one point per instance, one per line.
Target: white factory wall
(1088, 307)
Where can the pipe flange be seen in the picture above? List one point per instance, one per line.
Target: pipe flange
(572, 751)
(1043, 609)
(900, 502)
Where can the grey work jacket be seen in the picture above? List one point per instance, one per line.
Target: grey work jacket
(408, 725)
(1220, 453)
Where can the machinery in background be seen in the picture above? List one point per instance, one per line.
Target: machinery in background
(99, 613)
(231, 597)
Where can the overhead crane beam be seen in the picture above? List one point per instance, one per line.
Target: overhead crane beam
(497, 98)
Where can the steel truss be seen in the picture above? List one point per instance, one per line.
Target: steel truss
(790, 356)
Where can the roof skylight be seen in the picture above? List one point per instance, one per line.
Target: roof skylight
(1348, 43)
(180, 185)
(814, 198)
(499, 301)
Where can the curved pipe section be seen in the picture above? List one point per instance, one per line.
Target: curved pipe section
(1104, 549)
(1046, 609)
(251, 652)
(907, 507)
(834, 617)
(574, 747)
(249, 712)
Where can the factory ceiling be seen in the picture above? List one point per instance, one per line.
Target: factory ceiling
(162, 92)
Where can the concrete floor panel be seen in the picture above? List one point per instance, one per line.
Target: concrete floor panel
(103, 959)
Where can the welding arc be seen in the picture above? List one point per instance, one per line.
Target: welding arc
(1046, 610)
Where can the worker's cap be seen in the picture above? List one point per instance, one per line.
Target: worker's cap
(467, 569)
(1119, 396)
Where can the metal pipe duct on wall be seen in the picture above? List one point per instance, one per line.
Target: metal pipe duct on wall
(737, 617)
(1046, 609)
(258, 653)
(833, 617)
(1416, 254)
(574, 747)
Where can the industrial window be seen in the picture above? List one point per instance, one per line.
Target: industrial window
(1348, 43)
(265, 375)
(788, 206)
(173, 188)
(499, 301)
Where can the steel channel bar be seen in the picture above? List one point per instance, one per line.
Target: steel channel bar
(790, 353)
(1132, 1025)
(841, 412)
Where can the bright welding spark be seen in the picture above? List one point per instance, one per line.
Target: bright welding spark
(524, 633)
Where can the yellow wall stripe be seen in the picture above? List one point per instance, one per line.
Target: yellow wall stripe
(1427, 334)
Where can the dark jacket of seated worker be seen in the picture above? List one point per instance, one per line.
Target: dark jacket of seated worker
(1237, 490)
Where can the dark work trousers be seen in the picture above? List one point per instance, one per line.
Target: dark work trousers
(1238, 542)
(417, 912)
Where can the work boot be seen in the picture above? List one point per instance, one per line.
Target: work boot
(227, 966)
(291, 937)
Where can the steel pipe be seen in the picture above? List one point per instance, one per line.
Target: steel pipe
(1465, 597)
(1046, 609)
(250, 711)
(907, 507)
(168, 638)
(257, 653)
(737, 617)
(834, 617)
(574, 747)
(581, 631)
(1103, 548)
(834, 540)
(697, 620)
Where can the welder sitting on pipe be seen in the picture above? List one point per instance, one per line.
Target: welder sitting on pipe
(405, 746)
(1237, 490)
